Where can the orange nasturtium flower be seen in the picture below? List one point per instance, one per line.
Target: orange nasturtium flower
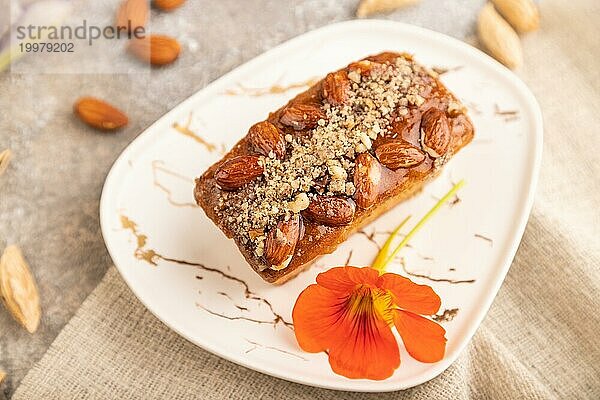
(350, 312)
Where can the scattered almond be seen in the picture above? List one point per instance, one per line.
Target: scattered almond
(281, 242)
(99, 114)
(500, 39)
(5, 157)
(302, 116)
(523, 15)
(238, 171)
(330, 210)
(18, 289)
(267, 138)
(168, 5)
(156, 49)
(369, 7)
(132, 14)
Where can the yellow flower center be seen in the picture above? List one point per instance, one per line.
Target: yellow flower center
(366, 302)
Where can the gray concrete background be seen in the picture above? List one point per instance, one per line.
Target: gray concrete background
(49, 195)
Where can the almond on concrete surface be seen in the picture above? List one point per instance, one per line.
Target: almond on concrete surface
(2, 376)
(18, 289)
(132, 14)
(99, 114)
(499, 38)
(5, 157)
(370, 7)
(523, 15)
(168, 5)
(156, 49)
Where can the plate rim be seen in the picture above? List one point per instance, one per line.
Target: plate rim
(355, 385)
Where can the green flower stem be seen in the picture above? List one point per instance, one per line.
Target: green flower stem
(381, 266)
(379, 263)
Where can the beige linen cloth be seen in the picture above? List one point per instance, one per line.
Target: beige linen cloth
(540, 339)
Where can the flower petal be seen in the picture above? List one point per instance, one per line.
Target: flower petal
(420, 299)
(345, 279)
(351, 327)
(423, 338)
(370, 352)
(316, 316)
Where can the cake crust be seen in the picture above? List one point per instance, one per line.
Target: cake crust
(330, 161)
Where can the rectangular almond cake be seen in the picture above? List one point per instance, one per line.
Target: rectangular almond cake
(333, 159)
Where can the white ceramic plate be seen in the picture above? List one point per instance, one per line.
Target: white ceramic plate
(200, 285)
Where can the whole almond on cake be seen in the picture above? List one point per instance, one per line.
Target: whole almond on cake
(367, 176)
(399, 154)
(238, 171)
(302, 116)
(435, 132)
(336, 86)
(266, 139)
(330, 210)
(281, 242)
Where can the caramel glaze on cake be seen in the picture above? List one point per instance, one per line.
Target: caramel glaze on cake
(333, 159)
